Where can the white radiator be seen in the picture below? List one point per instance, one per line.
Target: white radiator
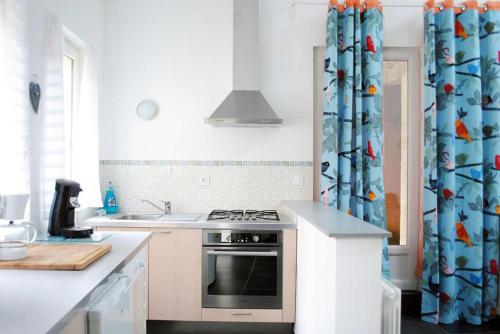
(391, 308)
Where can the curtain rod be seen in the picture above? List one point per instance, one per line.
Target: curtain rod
(305, 3)
(292, 6)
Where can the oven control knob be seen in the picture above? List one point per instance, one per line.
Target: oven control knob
(255, 238)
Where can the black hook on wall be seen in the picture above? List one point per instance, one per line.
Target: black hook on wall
(35, 93)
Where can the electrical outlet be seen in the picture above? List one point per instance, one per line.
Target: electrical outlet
(298, 180)
(204, 180)
(170, 169)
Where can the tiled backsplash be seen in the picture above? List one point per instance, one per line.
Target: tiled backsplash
(232, 184)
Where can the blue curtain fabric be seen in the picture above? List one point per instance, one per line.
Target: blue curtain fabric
(352, 178)
(461, 164)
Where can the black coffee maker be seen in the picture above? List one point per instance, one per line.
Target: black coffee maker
(62, 211)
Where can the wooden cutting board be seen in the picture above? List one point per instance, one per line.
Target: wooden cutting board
(58, 257)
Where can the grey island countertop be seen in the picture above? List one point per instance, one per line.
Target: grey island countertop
(334, 223)
(37, 301)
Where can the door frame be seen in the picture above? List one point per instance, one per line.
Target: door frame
(403, 258)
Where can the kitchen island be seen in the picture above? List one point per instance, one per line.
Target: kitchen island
(43, 301)
(339, 276)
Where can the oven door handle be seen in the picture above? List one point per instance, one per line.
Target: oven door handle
(242, 253)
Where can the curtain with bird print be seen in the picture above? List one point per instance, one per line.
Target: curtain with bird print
(351, 170)
(461, 162)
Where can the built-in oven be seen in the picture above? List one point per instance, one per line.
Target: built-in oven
(242, 269)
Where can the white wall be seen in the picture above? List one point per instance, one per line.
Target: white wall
(179, 53)
(85, 19)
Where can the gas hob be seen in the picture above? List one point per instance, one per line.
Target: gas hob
(249, 216)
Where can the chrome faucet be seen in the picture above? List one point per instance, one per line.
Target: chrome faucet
(167, 210)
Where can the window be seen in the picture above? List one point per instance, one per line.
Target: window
(71, 76)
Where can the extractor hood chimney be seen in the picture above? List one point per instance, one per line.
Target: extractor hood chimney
(245, 106)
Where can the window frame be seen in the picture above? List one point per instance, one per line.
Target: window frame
(404, 257)
(74, 51)
(404, 167)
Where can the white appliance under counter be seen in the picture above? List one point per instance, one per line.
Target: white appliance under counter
(44, 301)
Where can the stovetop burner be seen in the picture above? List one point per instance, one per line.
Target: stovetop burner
(244, 215)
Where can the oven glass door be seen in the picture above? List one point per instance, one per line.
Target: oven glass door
(242, 277)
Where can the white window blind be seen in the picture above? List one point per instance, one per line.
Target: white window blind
(70, 129)
(52, 151)
(14, 107)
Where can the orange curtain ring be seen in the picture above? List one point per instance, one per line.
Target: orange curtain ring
(372, 4)
(492, 5)
(430, 5)
(445, 4)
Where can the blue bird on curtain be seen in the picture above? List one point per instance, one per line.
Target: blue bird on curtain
(351, 171)
(461, 162)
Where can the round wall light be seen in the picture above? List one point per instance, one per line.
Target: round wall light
(147, 110)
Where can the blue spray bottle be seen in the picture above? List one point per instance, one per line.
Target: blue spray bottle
(110, 203)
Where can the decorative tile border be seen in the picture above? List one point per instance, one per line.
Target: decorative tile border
(205, 163)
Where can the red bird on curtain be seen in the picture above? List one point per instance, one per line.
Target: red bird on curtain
(370, 46)
(494, 267)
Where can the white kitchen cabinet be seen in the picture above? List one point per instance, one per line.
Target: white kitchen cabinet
(175, 257)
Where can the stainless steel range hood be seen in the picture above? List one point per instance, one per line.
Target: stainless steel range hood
(245, 106)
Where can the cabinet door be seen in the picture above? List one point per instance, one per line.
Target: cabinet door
(175, 257)
(289, 274)
(77, 325)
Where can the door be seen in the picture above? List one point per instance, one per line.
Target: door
(402, 148)
(242, 277)
(175, 274)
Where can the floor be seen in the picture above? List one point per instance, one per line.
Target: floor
(168, 327)
(410, 325)
(413, 325)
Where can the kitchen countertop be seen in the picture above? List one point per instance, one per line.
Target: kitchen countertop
(39, 301)
(111, 221)
(334, 223)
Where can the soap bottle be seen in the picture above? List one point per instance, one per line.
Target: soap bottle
(110, 204)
